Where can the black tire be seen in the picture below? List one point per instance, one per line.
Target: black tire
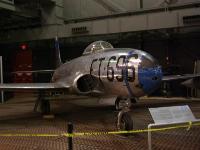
(127, 122)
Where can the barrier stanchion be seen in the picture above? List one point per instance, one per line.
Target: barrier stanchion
(70, 131)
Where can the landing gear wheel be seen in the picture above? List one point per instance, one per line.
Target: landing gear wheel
(45, 107)
(125, 122)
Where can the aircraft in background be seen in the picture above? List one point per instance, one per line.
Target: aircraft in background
(104, 71)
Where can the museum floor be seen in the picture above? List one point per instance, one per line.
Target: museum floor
(17, 117)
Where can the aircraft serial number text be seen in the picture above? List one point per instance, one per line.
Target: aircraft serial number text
(117, 68)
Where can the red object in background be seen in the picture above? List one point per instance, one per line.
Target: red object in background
(24, 46)
(23, 62)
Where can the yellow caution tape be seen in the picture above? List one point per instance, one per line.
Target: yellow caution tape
(190, 124)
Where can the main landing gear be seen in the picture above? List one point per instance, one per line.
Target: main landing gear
(124, 119)
(45, 107)
(44, 104)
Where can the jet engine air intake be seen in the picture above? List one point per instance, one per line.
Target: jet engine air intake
(86, 83)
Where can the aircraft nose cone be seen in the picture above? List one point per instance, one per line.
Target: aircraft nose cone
(150, 78)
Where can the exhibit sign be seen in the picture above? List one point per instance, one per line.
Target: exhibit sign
(173, 114)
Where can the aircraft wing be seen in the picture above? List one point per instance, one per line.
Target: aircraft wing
(34, 71)
(179, 77)
(32, 86)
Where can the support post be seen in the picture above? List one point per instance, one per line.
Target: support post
(149, 137)
(70, 131)
(150, 126)
(1, 78)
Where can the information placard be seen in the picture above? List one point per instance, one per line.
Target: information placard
(173, 114)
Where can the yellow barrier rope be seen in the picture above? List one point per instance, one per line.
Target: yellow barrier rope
(190, 124)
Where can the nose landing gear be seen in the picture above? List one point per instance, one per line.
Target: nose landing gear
(124, 119)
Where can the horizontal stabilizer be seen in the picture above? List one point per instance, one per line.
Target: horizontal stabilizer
(188, 83)
(180, 77)
(192, 83)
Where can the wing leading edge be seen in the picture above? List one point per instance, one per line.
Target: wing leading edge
(179, 77)
(32, 86)
(34, 71)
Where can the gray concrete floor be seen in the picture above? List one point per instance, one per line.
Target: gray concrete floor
(17, 116)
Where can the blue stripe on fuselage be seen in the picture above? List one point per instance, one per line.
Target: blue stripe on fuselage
(125, 75)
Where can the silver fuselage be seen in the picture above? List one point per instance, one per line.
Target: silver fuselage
(121, 71)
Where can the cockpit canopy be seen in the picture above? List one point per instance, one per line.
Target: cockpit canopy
(97, 46)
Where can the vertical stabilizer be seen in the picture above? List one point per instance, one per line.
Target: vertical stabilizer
(58, 60)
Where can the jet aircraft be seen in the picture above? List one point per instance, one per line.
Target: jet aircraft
(104, 71)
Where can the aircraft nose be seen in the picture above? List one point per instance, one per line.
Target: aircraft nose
(150, 78)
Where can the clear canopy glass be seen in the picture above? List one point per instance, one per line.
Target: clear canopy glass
(97, 46)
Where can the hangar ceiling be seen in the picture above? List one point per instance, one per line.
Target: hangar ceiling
(20, 14)
(45, 19)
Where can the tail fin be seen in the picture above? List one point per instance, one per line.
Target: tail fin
(58, 60)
